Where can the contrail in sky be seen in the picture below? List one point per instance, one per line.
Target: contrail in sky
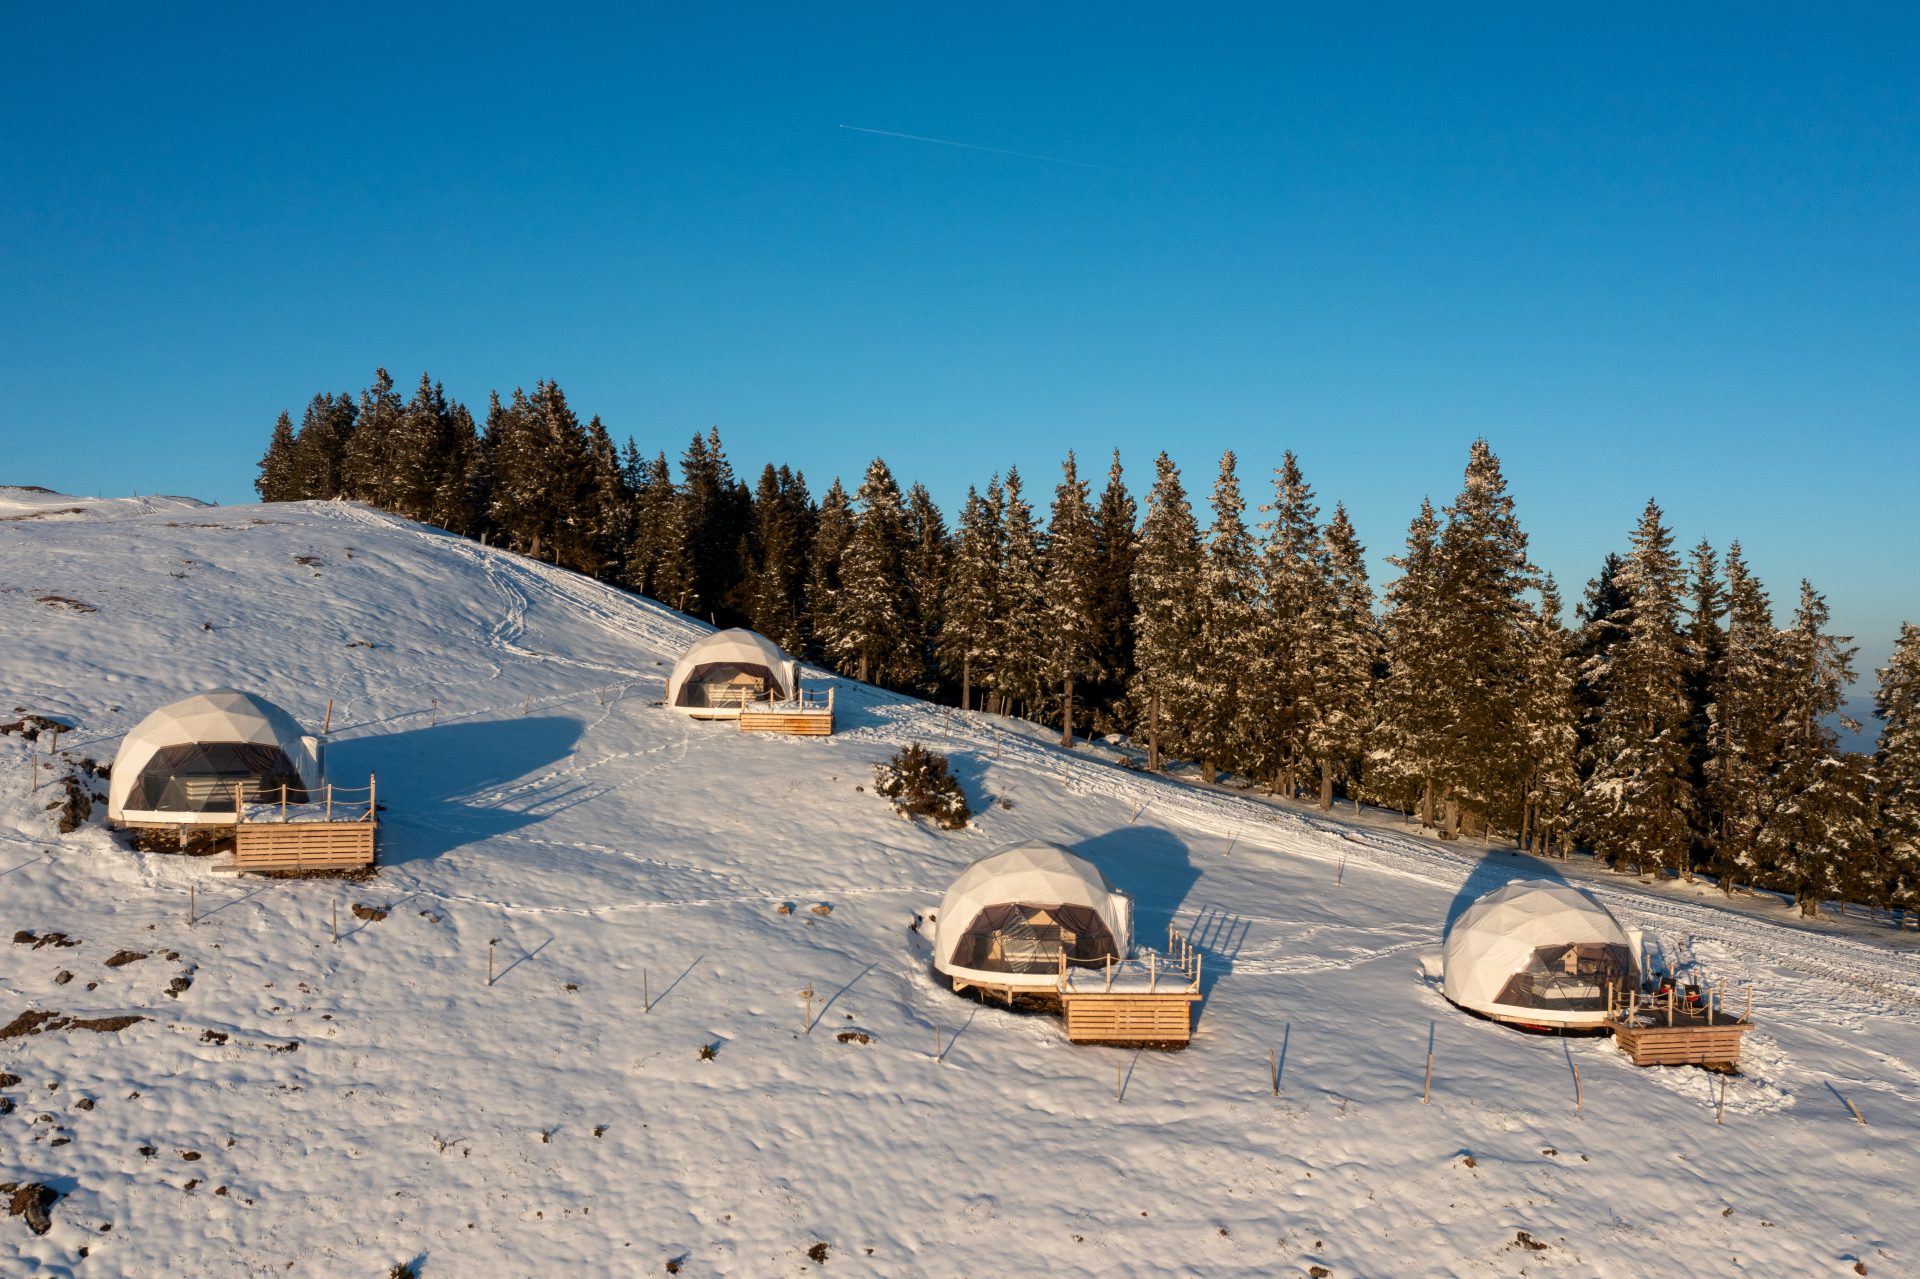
(1018, 155)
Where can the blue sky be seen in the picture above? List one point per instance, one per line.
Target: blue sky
(1646, 253)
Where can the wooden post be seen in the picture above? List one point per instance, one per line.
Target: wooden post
(1197, 961)
(1153, 972)
(1749, 1016)
(1720, 1116)
(936, 1043)
(336, 921)
(193, 905)
(1116, 1082)
(1576, 1088)
(283, 801)
(808, 993)
(36, 774)
(1273, 1069)
(1109, 974)
(1855, 1109)
(1669, 1004)
(490, 942)
(373, 796)
(1342, 873)
(646, 994)
(327, 723)
(329, 801)
(1426, 1089)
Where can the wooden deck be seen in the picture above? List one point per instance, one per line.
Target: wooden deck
(312, 837)
(1690, 1041)
(803, 717)
(1671, 1034)
(1147, 1000)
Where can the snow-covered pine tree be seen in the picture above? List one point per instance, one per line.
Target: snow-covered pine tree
(1637, 802)
(1023, 640)
(1346, 658)
(422, 436)
(1745, 720)
(718, 516)
(367, 466)
(966, 639)
(832, 530)
(1552, 720)
(1224, 658)
(928, 560)
(319, 450)
(460, 496)
(1706, 656)
(870, 632)
(1897, 769)
(606, 505)
(275, 482)
(1071, 562)
(1817, 841)
(1292, 619)
(657, 562)
(1403, 760)
(782, 515)
(1166, 576)
(1485, 581)
(1116, 540)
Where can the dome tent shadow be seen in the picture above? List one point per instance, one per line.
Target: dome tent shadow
(1156, 868)
(430, 779)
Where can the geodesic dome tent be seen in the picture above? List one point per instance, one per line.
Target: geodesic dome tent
(1009, 917)
(179, 765)
(728, 669)
(1540, 953)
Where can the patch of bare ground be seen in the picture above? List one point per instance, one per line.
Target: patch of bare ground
(34, 1022)
(372, 914)
(33, 1201)
(66, 602)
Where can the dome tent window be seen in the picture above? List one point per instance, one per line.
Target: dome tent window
(199, 777)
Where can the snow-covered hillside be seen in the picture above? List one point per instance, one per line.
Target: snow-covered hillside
(317, 1108)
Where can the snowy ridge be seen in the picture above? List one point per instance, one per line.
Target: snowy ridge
(629, 867)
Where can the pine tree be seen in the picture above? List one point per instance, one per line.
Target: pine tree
(966, 640)
(606, 504)
(1897, 769)
(1745, 720)
(1551, 718)
(275, 483)
(928, 559)
(870, 622)
(718, 516)
(1346, 659)
(657, 564)
(460, 496)
(1224, 658)
(1071, 563)
(1294, 612)
(1818, 836)
(1020, 677)
(782, 514)
(1116, 541)
(1485, 578)
(1404, 761)
(1706, 658)
(319, 450)
(1637, 800)
(833, 529)
(367, 465)
(417, 451)
(1166, 575)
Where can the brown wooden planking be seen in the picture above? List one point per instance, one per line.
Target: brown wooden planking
(802, 725)
(303, 845)
(1152, 1018)
(1718, 1044)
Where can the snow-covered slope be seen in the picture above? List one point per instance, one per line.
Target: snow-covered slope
(313, 1108)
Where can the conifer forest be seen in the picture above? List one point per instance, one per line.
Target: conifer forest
(1680, 721)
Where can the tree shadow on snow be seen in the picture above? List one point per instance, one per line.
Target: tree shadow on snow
(458, 783)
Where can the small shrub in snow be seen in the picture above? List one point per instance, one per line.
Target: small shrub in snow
(403, 1270)
(917, 782)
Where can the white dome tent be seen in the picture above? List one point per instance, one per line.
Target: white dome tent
(179, 765)
(1539, 953)
(728, 669)
(1009, 917)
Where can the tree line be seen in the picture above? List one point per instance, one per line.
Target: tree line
(1676, 726)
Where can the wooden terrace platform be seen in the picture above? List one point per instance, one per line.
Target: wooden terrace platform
(1143, 1000)
(337, 833)
(1672, 1034)
(808, 715)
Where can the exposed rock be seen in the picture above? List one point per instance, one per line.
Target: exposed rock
(33, 1201)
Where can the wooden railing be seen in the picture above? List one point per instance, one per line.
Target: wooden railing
(302, 840)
